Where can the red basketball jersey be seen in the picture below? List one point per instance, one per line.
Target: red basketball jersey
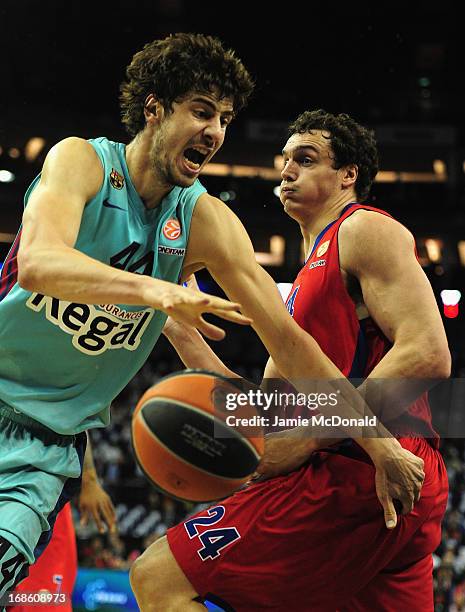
(56, 569)
(321, 304)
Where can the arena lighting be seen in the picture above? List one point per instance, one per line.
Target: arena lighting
(433, 248)
(424, 82)
(228, 196)
(275, 256)
(14, 152)
(273, 174)
(450, 299)
(439, 167)
(33, 148)
(6, 176)
(7, 237)
(387, 176)
(278, 162)
(277, 190)
(461, 250)
(241, 171)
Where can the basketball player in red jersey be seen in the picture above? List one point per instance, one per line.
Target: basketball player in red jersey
(56, 569)
(312, 537)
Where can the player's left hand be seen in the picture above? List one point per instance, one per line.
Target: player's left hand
(95, 503)
(285, 451)
(399, 476)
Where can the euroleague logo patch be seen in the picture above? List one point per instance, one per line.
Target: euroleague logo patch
(172, 229)
(116, 179)
(322, 249)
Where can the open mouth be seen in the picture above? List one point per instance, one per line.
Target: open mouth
(194, 158)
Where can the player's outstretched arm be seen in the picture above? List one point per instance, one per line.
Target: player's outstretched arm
(49, 264)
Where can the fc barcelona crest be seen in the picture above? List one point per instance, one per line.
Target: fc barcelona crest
(116, 179)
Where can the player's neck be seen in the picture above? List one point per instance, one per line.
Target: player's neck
(320, 218)
(141, 171)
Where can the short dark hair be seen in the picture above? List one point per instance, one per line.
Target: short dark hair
(351, 144)
(172, 67)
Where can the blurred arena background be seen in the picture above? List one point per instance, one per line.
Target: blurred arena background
(395, 68)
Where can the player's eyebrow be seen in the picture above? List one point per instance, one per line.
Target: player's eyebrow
(213, 106)
(299, 148)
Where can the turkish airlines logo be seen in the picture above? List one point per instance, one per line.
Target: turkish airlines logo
(172, 229)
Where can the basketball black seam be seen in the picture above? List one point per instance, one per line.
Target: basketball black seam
(199, 410)
(227, 478)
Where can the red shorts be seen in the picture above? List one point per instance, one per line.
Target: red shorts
(56, 569)
(315, 540)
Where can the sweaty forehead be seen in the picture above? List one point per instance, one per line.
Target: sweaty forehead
(316, 139)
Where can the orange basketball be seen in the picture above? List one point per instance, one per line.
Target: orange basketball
(188, 440)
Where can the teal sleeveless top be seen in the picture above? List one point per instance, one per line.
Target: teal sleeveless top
(62, 363)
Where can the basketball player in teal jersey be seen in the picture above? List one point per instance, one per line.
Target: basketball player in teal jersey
(108, 232)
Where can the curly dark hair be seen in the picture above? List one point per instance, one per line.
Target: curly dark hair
(351, 144)
(173, 67)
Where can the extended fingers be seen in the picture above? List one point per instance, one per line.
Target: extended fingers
(210, 331)
(84, 516)
(385, 499)
(228, 310)
(233, 316)
(98, 519)
(109, 515)
(390, 515)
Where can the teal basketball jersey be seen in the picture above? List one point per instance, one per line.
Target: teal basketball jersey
(62, 363)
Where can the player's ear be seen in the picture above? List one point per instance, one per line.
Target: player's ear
(350, 176)
(153, 109)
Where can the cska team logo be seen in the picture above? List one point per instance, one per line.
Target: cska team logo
(172, 229)
(322, 249)
(116, 179)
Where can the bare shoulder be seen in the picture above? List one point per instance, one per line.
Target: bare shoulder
(79, 149)
(213, 209)
(73, 161)
(214, 221)
(217, 235)
(368, 237)
(371, 225)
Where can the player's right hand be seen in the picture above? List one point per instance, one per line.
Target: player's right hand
(285, 451)
(187, 306)
(95, 503)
